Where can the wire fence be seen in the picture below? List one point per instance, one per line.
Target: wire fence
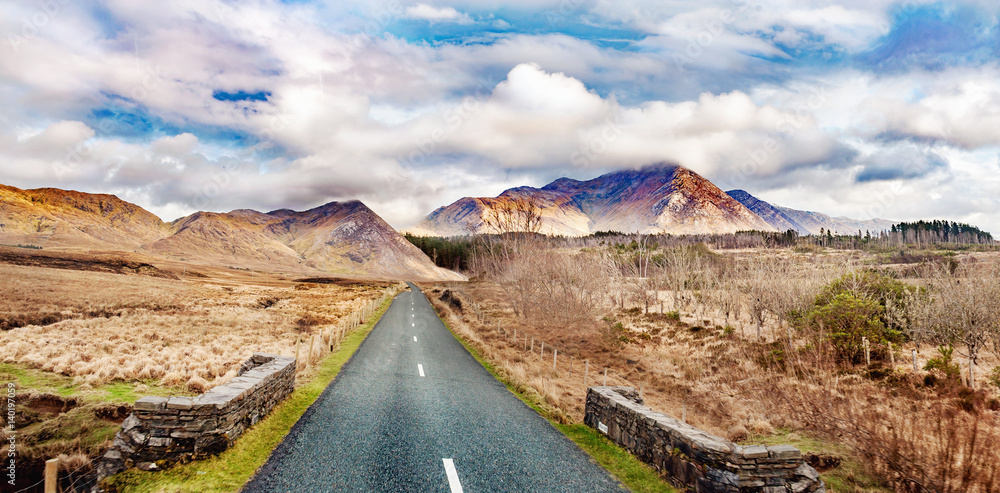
(309, 350)
(562, 360)
(82, 478)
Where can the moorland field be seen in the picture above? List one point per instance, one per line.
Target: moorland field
(758, 344)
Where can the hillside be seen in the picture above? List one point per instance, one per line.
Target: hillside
(656, 199)
(344, 238)
(61, 218)
(806, 222)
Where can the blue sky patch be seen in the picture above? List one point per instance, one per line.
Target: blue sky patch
(934, 37)
(494, 25)
(241, 96)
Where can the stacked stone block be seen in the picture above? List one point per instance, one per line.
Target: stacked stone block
(167, 430)
(698, 460)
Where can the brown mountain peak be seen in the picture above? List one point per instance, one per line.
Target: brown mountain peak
(659, 198)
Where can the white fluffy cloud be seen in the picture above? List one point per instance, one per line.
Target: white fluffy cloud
(537, 119)
(436, 14)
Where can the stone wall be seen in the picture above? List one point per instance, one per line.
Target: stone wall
(691, 457)
(165, 430)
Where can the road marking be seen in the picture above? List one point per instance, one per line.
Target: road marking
(449, 469)
(420, 368)
(414, 338)
(414, 324)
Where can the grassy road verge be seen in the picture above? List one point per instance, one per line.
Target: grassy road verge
(230, 470)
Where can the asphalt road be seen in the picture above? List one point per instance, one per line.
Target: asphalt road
(414, 411)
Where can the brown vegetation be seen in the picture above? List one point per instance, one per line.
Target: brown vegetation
(743, 343)
(98, 327)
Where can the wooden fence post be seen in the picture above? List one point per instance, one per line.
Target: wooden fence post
(868, 353)
(605, 377)
(914, 353)
(309, 357)
(555, 354)
(586, 370)
(51, 475)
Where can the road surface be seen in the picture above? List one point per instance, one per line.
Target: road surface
(414, 411)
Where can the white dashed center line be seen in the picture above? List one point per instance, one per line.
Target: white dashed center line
(449, 469)
(420, 368)
(414, 338)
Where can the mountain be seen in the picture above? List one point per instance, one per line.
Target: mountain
(339, 237)
(68, 218)
(661, 198)
(344, 238)
(805, 222)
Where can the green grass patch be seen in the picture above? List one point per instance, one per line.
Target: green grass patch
(633, 473)
(41, 381)
(848, 475)
(230, 470)
(79, 429)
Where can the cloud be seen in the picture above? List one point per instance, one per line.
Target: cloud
(960, 109)
(435, 14)
(903, 162)
(213, 105)
(934, 36)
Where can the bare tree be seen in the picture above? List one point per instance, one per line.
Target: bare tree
(676, 272)
(515, 216)
(965, 312)
(508, 224)
(754, 287)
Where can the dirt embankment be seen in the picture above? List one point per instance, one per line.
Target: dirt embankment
(110, 262)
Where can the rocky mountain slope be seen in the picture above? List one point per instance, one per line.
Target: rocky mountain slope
(68, 218)
(805, 222)
(345, 238)
(656, 199)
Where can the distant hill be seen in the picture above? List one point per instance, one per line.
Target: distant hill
(344, 238)
(68, 218)
(662, 198)
(806, 223)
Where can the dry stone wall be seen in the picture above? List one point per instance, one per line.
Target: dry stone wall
(698, 460)
(165, 430)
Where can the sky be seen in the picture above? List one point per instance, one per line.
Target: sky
(860, 108)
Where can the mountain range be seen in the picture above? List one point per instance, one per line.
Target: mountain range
(657, 199)
(806, 222)
(340, 237)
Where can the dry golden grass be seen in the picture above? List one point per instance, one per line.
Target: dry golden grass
(192, 332)
(906, 434)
